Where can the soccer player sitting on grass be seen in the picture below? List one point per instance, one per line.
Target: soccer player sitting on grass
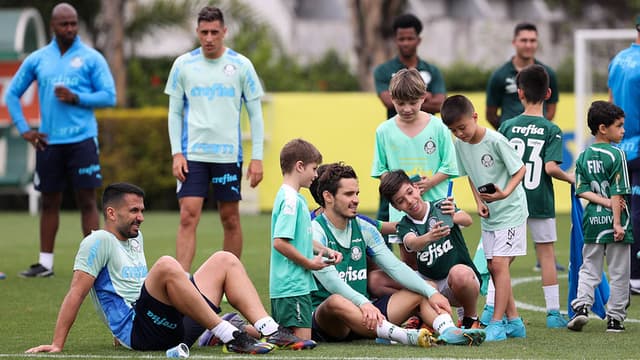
(603, 180)
(344, 309)
(431, 231)
(158, 308)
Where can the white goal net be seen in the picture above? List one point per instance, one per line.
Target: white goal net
(594, 48)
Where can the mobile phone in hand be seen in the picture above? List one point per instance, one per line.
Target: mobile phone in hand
(447, 219)
(489, 188)
(330, 261)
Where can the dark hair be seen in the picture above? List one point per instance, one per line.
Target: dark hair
(534, 81)
(405, 21)
(391, 184)
(331, 176)
(524, 26)
(454, 108)
(313, 188)
(116, 191)
(298, 150)
(602, 113)
(209, 14)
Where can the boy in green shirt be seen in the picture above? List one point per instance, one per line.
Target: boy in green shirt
(602, 178)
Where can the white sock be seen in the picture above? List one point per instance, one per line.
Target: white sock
(224, 331)
(552, 297)
(390, 331)
(635, 283)
(266, 326)
(491, 293)
(46, 260)
(442, 322)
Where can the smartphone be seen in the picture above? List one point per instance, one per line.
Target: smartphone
(327, 260)
(415, 178)
(487, 188)
(447, 219)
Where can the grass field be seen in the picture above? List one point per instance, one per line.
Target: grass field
(29, 306)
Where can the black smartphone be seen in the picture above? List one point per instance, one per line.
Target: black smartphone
(487, 188)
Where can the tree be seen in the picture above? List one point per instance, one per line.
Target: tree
(371, 21)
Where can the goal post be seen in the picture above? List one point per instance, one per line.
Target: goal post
(583, 71)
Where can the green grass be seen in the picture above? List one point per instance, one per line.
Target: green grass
(29, 306)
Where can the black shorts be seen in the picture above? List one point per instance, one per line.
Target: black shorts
(319, 335)
(225, 178)
(158, 326)
(76, 162)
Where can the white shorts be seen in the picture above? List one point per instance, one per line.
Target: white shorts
(505, 242)
(443, 288)
(542, 230)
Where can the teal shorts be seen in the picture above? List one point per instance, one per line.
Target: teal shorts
(292, 311)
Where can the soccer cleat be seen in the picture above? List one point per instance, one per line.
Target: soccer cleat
(422, 338)
(469, 323)
(487, 315)
(37, 270)
(555, 320)
(515, 328)
(242, 343)
(579, 319)
(285, 339)
(614, 325)
(457, 336)
(495, 331)
(208, 339)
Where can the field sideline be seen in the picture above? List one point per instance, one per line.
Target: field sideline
(30, 305)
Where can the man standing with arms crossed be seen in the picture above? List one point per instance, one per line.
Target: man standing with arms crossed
(624, 91)
(72, 80)
(502, 91)
(207, 88)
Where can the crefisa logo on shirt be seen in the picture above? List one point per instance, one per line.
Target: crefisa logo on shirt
(430, 147)
(229, 69)
(487, 160)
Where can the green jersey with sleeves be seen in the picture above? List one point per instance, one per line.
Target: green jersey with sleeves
(429, 152)
(602, 169)
(537, 141)
(213, 91)
(493, 160)
(436, 259)
(290, 221)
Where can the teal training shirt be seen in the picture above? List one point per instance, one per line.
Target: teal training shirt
(290, 221)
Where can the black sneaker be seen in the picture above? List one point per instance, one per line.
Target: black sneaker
(285, 339)
(36, 270)
(244, 344)
(579, 319)
(614, 325)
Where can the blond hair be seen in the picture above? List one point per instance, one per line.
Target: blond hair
(407, 84)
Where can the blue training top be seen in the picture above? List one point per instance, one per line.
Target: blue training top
(84, 71)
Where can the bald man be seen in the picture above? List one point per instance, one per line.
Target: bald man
(73, 79)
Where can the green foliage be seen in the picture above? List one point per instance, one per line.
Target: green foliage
(147, 78)
(461, 76)
(134, 147)
(565, 75)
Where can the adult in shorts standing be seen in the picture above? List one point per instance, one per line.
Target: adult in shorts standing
(207, 88)
(73, 79)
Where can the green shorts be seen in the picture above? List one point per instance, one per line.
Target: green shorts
(292, 311)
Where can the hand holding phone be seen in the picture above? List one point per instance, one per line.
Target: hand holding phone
(489, 188)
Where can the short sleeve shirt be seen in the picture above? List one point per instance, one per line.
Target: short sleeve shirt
(213, 91)
(602, 169)
(537, 141)
(502, 90)
(493, 160)
(431, 75)
(290, 220)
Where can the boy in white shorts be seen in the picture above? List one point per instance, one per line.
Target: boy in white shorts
(495, 174)
(538, 141)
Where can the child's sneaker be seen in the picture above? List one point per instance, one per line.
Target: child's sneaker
(515, 328)
(614, 325)
(244, 344)
(579, 319)
(457, 336)
(285, 339)
(555, 320)
(487, 315)
(495, 331)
